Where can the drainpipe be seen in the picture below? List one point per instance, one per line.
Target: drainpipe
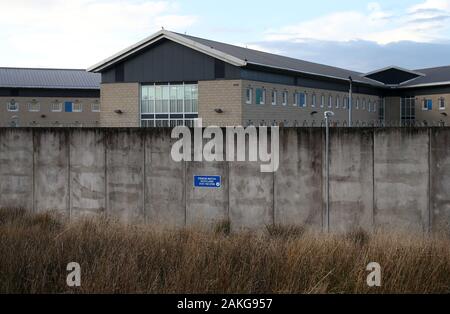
(327, 114)
(350, 105)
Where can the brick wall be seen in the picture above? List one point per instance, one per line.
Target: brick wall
(45, 116)
(223, 94)
(119, 96)
(292, 115)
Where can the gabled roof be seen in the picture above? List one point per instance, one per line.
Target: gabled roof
(432, 77)
(393, 75)
(237, 56)
(48, 78)
(121, 55)
(389, 77)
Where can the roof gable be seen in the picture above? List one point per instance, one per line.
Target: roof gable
(393, 75)
(99, 67)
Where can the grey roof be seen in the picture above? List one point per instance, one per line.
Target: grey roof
(281, 62)
(49, 78)
(432, 76)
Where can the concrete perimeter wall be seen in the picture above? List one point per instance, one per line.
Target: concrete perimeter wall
(388, 179)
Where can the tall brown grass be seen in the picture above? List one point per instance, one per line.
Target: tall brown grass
(115, 258)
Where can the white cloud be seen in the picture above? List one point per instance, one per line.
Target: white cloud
(50, 33)
(424, 22)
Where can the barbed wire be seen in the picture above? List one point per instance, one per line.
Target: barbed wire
(286, 124)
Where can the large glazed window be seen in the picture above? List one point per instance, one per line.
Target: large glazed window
(169, 105)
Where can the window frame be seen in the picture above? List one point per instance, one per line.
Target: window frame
(285, 98)
(442, 102)
(77, 104)
(338, 102)
(31, 104)
(427, 104)
(52, 108)
(330, 101)
(95, 104)
(262, 100)
(322, 101)
(274, 95)
(8, 106)
(248, 95)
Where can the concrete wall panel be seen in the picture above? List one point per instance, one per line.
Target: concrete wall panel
(401, 175)
(16, 169)
(206, 205)
(298, 181)
(440, 179)
(165, 178)
(351, 179)
(125, 174)
(51, 166)
(87, 173)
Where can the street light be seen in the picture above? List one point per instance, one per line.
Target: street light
(327, 115)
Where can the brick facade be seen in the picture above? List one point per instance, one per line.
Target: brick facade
(221, 94)
(45, 116)
(123, 97)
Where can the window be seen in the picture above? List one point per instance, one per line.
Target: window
(56, 107)
(322, 101)
(330, 101)
(381, 110)
(369, 106)
(407, 111)
(248, 96)
(337, 102)
(300, 100)
(95, 107)
(170, 105)
(345, 105)
(285, 98)
(375, 105)
(357, 103)
(12, 106)
(313, 100)
(427, 104)
(364, 104)
(274, 97)
(77, 107)
(34, 107)
(260, 96)
(442, 103)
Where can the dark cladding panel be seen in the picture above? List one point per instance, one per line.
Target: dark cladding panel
(167, 61)
(392, 76)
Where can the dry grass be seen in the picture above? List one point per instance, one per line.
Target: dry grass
(35, 250)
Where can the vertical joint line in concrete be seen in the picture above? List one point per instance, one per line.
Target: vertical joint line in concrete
(373, 179)
(429, 181)
(33, 140)
(143, 142)
(69, 200)
(184, 192)
(105, 145)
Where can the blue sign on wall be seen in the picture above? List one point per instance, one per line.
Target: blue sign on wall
(207, 182)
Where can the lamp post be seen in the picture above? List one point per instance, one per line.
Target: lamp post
(327, 115)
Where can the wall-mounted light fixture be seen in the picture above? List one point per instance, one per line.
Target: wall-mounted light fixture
(313, 113)
(218, 110)
(444, 114)
(118, 111)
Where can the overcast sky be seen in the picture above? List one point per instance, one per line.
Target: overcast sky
(355, 34)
